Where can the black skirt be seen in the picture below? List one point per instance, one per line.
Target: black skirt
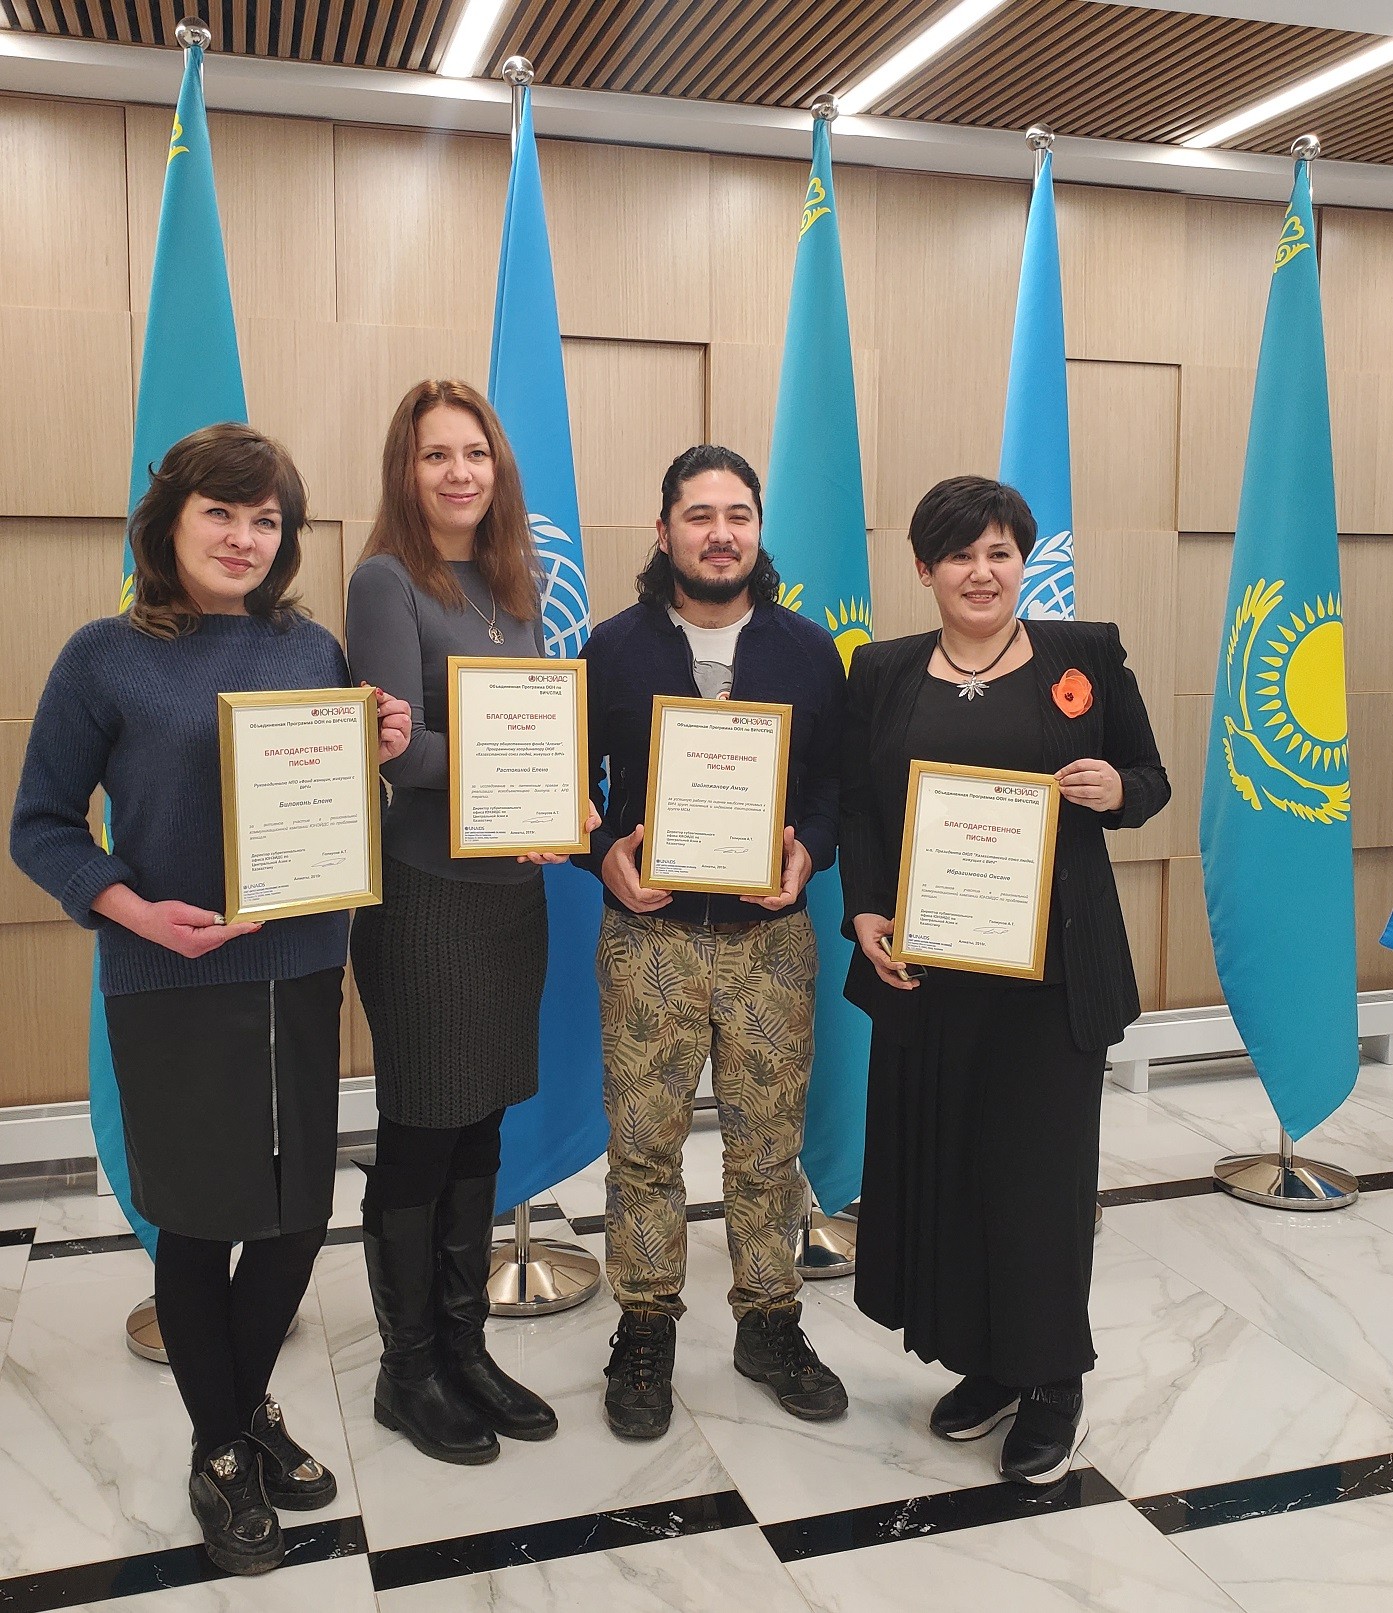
(230, 1101)
(981, 1175)
(451, 976)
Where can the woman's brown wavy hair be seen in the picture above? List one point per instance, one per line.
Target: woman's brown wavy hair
(228, 461)
(503, 547)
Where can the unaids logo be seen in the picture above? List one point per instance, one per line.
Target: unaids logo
(565, 599)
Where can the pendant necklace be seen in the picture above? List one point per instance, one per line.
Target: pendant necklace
(974, 685)
(496, 632)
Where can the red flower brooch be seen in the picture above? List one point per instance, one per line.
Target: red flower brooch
(1073, 694)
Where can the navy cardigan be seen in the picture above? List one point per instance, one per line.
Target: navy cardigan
(642, 652)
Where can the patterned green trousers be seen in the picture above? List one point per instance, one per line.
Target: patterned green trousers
(672, 995)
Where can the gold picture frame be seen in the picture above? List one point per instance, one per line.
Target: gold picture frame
(528, 675)
(309, 728)
(1024, 805)
(655, 872)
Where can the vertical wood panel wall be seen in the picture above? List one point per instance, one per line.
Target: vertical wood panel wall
(362, 259)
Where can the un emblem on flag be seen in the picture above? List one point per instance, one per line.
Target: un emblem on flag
(1286, 728)
(565, 598)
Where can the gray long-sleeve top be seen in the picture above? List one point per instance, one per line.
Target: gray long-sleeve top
(400, 639)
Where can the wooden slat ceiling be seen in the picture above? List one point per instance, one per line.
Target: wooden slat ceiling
(1116, 72)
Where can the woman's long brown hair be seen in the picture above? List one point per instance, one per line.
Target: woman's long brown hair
(503, 547)
(228, 461)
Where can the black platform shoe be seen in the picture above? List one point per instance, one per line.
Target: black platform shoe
(464, 1240)
(241, 1533)
(1049, 1427)
(638, 1396)
(973, 1408)
(414, 1395)
(293, 1479)
(771, 1348)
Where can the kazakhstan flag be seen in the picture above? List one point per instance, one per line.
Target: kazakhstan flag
(1275, 824)
(190, 377)
(562, 1128)
(1035, 438)
(815, 528)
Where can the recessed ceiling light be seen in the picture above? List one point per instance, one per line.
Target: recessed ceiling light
(470, 39)
(1309, 89)
(922, 48)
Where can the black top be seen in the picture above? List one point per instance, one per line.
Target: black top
(1000, 728)
(882, 691)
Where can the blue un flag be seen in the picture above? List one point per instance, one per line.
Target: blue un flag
(1275, 823)
(562, 1128)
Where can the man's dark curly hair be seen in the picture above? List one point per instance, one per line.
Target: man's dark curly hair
(655, 582)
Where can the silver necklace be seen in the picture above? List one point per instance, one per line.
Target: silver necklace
(495, 632)
(974, 685)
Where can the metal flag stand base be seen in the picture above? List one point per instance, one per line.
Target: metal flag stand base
(826, 1243)
(528, 1278)
(143, 1332)
(1284, 1182)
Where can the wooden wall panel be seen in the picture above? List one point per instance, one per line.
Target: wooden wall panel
(21, 901)
(614, 555)
(320, 583)
(1373, 900)
(1123, 425)
(67, 444)
(1371, 769)
(1139, 889)
(947, 267)
(62, 204)
(54, 576)
(1361, 419)
(900, 603)
(743, 387)
(634, 407)
(631, 261)
(275, 179)
(1227, 275)
(1202, 584)
(435, 262)
(295, 393)
(1190, 978)
(45, 987)
(1366, 582)
(756, 210)
(1215, 404)
(1185, 767)
(1120, 255)
(1356, 274)
(1129, 578)
(378, 365)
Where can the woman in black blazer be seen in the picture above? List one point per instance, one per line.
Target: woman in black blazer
(982, 1114)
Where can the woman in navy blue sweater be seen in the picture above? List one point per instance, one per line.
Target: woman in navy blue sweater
(224, 1037)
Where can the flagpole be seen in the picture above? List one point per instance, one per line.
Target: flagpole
(1040, 138)
(1283, 1181)
(826, 1244)
(527, 1277)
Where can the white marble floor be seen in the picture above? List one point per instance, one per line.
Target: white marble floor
(1235, 1345)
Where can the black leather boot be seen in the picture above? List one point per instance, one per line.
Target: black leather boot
(464, 1238)
(414, 1396)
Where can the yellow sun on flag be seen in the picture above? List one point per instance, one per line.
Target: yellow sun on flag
(1301, 689)
(853, 628)
(791, 598)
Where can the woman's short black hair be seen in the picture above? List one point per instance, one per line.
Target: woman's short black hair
(955, 513)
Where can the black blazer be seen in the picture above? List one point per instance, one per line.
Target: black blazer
(881, 693)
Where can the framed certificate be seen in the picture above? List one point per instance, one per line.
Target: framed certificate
(975, 869)
(300, 806)
(717, 778)
(519, 761)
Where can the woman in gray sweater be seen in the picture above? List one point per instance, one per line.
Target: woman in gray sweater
(451, 966)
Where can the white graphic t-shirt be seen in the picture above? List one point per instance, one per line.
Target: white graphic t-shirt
(713, 653)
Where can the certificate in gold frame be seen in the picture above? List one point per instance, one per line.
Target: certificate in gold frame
(735, 710)
(463, 667)
(1042, 786)
(326, 707)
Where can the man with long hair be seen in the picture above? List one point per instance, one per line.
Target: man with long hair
(685, 976)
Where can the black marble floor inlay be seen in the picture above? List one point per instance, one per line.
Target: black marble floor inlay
(164, 1570)
(934, 1515)
(12, 1237)
(1151, 1192)
(584, 1225)
(62, 1248)
(1376, 1182)
(1269, 1496)
(562, 1537)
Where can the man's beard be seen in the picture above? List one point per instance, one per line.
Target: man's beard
(712, 590)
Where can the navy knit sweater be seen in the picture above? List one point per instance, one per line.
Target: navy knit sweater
(138, 716)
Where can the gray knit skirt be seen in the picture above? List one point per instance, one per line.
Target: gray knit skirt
(451, 977)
